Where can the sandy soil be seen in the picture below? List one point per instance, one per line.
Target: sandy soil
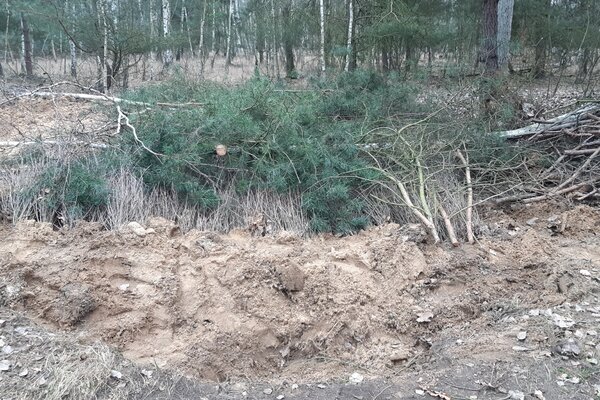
(518, 311)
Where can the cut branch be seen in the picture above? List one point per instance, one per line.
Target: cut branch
(449, 227)
(465, 162)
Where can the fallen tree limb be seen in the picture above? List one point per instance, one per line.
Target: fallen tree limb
(556, 192)
(92, 97)
(96, 97)
(560, 122)
(580, 152)
(16, 143)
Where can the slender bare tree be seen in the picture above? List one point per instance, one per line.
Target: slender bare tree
(6, 43)
(201, 51)
(101, 59)
(228, 52)
(213, 33)
(275, 52)
(27, 47)
(350, 32)
(70, 9)
(167, 54)
(322, 23)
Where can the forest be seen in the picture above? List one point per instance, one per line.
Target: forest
(536, 37)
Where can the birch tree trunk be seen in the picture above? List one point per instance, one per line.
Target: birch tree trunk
(53, 49)
(505, 16)
(350, 31)
(229, 26)
(201, 52)
(322, 21)
(153, 20)
(166, 18)
(102, 58)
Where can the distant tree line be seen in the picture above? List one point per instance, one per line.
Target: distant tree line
(537, 37)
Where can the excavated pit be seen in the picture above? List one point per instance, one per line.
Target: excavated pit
(230, 307)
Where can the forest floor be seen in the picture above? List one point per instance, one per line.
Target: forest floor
(159, 314)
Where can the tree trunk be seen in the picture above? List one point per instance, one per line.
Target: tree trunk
(275, 52)
(6, 45)
(408, 56)
(166, 17)
(288, 46)
(213, 33)
(53, 49)
(102, 57)
(322, 23)
(539, 64)
(489, 54)
(236, 30)
(584, 60)
(229, 26)
(259, 23)
(106, 75)
(1, 71)
(153, 16)
(505, 16)
(350, 32)
(27, 50)
(201, 51)
(73, 51)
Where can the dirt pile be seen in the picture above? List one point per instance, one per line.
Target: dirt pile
(237, 307)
